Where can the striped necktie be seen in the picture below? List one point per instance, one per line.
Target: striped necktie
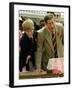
(54, 43)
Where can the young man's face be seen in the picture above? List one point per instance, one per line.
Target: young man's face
(50, 24)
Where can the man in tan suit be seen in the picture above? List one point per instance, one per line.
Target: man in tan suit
(45, 48)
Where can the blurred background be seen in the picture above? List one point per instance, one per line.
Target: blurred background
(38, 17)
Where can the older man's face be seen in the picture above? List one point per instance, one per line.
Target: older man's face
(50, 24)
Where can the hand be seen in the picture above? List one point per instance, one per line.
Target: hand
(28, 57)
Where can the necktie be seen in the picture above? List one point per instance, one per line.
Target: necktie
(54, 44)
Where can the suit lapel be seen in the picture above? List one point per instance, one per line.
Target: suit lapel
(48, 38)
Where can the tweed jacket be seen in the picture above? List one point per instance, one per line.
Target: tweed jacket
(45, 48)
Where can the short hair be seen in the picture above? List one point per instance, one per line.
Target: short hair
(28, 24)
(49, 16)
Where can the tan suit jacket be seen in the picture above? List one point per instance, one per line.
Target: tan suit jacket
(45, 48)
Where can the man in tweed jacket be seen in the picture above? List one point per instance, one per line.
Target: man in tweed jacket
(45, 49)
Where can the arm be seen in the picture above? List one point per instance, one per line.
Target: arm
(23, 46)
(62, 35)
(60, 32)
(38, 54)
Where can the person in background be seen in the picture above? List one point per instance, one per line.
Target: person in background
(49, 43)
(57, 17)
(42, 23)
(20, 28)
(37, 27)
(26, 58)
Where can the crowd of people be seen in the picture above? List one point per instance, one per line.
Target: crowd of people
(39, 43)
